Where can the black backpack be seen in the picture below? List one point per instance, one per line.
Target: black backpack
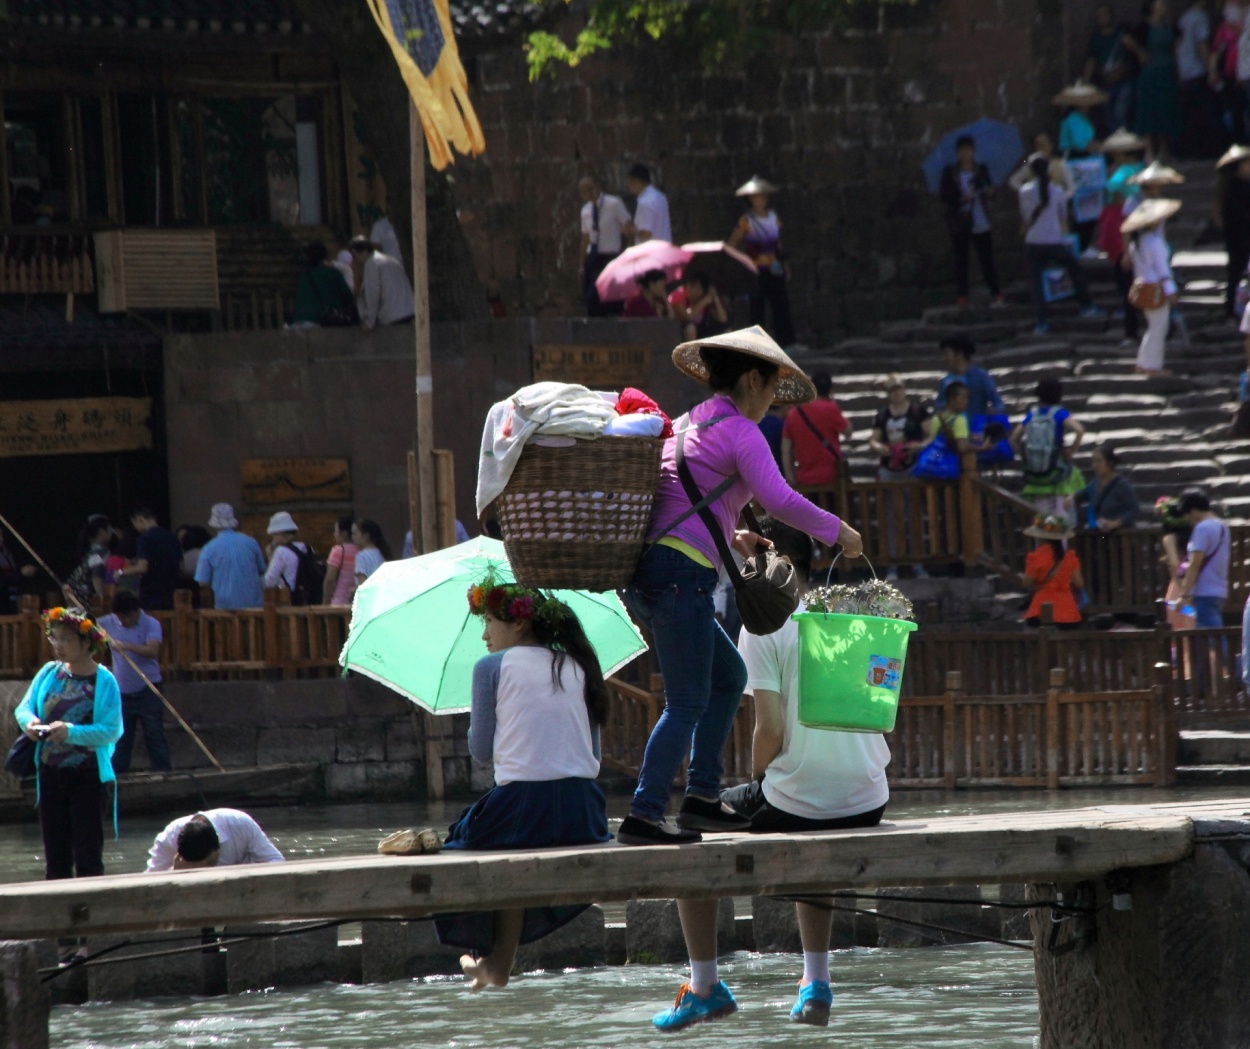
(310, 577)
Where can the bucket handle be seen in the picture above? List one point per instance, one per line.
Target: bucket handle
(829, 574)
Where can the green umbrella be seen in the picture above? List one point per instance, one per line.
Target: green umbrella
(412, 630)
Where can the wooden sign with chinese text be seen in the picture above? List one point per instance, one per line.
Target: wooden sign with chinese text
(599, 367)
(84, 426)
(277, 482)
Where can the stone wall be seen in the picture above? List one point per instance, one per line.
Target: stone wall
(362, 733)
(341, 392)
(839, 119)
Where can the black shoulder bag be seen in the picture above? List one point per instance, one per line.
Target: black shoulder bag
(766, 591)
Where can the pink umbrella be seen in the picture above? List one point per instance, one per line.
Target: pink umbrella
(619, 279)
(731, 271)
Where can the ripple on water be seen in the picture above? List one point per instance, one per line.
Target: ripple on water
(968, 997)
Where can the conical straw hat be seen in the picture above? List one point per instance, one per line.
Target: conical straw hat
(756, 185)
(1149, 213)
(1158, 175)
(1123, 141)
(1080, 94)
(793, 388)
(1234, 155)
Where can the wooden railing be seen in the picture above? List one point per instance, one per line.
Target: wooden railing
(1004, 517)
(1052, 739)
(39, 262)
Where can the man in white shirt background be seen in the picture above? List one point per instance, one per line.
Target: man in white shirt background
(216, 838)
(385, 294)
(651, 220)
(605, 225)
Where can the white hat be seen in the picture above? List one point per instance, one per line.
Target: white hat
(754, 186)
(222, 516)
(1150, 213)
(1156, 174)
(281, 522)
(793, 388)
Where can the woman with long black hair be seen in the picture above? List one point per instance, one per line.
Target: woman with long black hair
(539, 700)
(1044, 210)
(372, 549)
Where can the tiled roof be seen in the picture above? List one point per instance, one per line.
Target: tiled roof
(472, 18)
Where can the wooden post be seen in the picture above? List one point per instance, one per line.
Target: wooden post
(1058, 679)
(179, 655)
(269, 633)
(954, 685)
(30, 649)
(970, 510)
(1165, 726)
(421, 472)
(445, 497)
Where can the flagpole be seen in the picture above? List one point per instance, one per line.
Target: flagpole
(421, 493)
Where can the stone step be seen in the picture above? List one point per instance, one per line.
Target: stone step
(1212, 776)
(1212, 747)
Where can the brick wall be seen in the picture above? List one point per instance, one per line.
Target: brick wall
(839, 120)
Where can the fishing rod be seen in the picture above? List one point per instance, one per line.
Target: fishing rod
(73, 599)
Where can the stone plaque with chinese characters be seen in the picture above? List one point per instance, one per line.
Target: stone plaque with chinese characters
(599, 367)
(278, 482)
(78, 427)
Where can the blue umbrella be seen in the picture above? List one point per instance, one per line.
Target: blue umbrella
(999, 147)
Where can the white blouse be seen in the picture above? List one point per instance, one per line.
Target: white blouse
(1150, 260)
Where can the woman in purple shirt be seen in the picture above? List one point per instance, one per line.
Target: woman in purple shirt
(672, 590)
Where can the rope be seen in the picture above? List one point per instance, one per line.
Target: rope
(932, 926)
(1054, 905)
(125, 655)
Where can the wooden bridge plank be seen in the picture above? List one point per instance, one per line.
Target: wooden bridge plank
(1026, 846)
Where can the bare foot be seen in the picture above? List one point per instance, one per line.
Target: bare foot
(480, 973)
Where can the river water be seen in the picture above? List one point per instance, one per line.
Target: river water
(978, 996)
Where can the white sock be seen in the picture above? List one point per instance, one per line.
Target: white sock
(704, 976)
(815, 967)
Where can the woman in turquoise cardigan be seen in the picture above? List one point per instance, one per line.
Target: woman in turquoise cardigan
(73, 714)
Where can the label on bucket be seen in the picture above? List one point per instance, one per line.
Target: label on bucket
(884, 672)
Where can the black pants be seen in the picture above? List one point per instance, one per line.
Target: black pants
(1238, 258)
(963, 239)
(772, 290)
(595, 307)
(142, 708)
(71, 820)
(1132, 319)
(748, 800)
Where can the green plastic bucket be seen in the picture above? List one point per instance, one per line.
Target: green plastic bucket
(850, 670)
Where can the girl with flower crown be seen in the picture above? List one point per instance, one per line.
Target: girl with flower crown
(538, 702)
(73, 714)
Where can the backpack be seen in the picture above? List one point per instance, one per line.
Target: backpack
(310, 577)
(1042, 449)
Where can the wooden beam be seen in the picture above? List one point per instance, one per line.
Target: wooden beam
(1055, 846)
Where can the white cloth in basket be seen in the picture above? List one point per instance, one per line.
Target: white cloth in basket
(552, 408)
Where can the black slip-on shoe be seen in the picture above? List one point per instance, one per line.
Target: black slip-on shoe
(697, 814)
(635, 831)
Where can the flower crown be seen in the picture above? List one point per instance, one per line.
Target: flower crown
(1053, 523)
(512, 603)
(78, 621)
(1168, 507)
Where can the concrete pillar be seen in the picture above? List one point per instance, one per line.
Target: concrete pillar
(24, 1001)
(653, 931)
(392, 950)
(971, 922)
(280, 961)
(1168, 974)
(775, 924)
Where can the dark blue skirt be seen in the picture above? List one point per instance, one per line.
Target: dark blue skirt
(519, 817)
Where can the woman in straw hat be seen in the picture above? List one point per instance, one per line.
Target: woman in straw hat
(1076, 131)
(1155, 287)
(1052, 573)
(758, 233)
(1152, 42)
(1125, 152)
(704, 677)
(1232, 211)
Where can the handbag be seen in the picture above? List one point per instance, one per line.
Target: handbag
(20, 761)
(766, 590)
(937, 461)
(1146, 295)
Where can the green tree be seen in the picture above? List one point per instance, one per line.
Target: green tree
(718, 32)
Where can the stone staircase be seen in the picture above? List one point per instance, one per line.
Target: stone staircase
(1171, 432)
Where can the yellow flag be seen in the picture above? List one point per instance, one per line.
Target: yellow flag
(421, 38)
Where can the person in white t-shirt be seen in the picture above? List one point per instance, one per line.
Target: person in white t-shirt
(216, 838)
(1044, 212)
(605, 225)
(382, 233)
(805, 780)
(651, 221)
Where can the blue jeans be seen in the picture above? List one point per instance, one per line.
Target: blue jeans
(1207, 611)
(142, 708)
(704, 678)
